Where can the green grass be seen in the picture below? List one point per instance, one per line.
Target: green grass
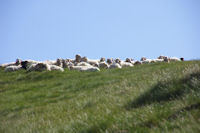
(160, 97)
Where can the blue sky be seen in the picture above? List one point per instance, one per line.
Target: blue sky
(50, 29)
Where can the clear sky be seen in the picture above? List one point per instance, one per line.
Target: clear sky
(51, 29)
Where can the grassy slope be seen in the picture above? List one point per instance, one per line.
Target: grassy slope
(146, 98)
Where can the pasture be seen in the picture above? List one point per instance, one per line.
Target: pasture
(157, 97)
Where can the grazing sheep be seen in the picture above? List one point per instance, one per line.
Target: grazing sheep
(84, 68)
(24, 64)
(57, 68)
(50, 62)
(137, 63)
(84, 59)
(102, 59)
(31, 67)
(166, 59)
(143, 59)
(172, 59)
(64, 63)
(7, 64)
(161, 57)
(93, 62)
(110, 61)
(18, 62)
(59, 63)
(126, 64)
(147, 61)
(90, 69)
(158, 60)
(69, 60)
(117, 61)
(77, 58)
(182, 59)
(103, 64)
(83, 64)
(130, 60)
(12, 68)
(115, 65)
(27, 63)
(39, 67)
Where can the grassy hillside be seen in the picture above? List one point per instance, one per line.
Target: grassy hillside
(158, 97)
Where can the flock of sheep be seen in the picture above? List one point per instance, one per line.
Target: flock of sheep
(80, 64)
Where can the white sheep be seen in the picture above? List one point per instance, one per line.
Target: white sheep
(7, 64)
(126, 64)
(103, 64)
(174, 59)
(93, 62)
(83, 64)
(161, 57)
(171, 59)
(57, 68)
(115, 65)
(84, 59)
(90, 69)
(85, 68)
(158, 60)
(50, 62)
(39, 67)
(117, 61)
(147, 61)
(12, 68)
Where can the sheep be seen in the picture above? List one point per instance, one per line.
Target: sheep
(18, 62)
(50, 62)
(117, 61)
(130, 60)
(182, 59)
(146, 61)
(143, 59)
(69, 60)
(103, 65)
(158, 60)
(174, 59)
(166, 59)
(102, 59)
(7, 64)
(31, 67)
(110, 61)
(12, 68)
(171, 59)
(126, 64)
(161, 57)
(84, 59)
(54, 67)
(93, 62)
(39, 67)
(59, 63)
(137, 63)
(85, 68)
(69, 64)
(90, 69)
(115, 65)
(27, 63)
(77, 58)
(83, 64)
